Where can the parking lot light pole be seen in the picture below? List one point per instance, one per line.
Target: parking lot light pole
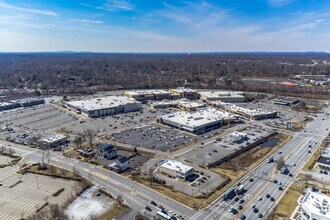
(37, 181)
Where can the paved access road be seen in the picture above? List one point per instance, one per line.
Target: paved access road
(135, 195)
(295, 154)
(138, 196)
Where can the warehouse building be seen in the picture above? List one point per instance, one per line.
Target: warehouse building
(252, 114)
(199, 122)
(285, 101)
(28, 102)
(145, 95)
(53, 140)
(315, 206)
(8, 105)
(185, 93)
(175, 169)
(182, 104)
(104, 106)
(224, 96)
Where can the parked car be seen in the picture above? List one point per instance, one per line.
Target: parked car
(148, 208)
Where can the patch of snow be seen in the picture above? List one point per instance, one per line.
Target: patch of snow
(86, 205)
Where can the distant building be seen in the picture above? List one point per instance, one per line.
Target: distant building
(175, 169)
(315, 206)
(107, 151)
(182, 104)
(285, 101)
(120, 165)
(145, 95)
(28, 102)
(8, 105)
(199, 122)
(224, 96)
(104, 106)
(237, 136)
(252, 114)
(185, 93)
(54, 140)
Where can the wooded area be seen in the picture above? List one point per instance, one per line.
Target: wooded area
(71, 73)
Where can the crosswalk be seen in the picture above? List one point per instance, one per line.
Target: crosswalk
(100, 175)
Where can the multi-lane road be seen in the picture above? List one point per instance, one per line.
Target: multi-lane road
(138, 196)
(295, 154)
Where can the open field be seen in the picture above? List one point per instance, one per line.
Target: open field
(180, 197)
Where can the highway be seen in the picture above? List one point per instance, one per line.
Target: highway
(295, 153)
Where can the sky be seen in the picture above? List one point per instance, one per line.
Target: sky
(164, 25)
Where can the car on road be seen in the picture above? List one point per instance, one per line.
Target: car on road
(236, 199)
(239, 207)
(255, 210)
(259, 198)
(148, 208)
(290, 175)
(275, 181)
(267, 196)
(280, 188)
(253, 206)
(241, 201)
(260, 215)
(251, 180)
(309, 151)
(272, 199)
(153, 203)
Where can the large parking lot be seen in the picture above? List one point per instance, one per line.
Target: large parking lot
(212, 151)
(115, 123)
(154, 137)
(39, 118)
(22, 195)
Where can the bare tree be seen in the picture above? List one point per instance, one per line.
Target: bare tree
(120, 199)
(151, 175)
(279, 163)
(90, 136)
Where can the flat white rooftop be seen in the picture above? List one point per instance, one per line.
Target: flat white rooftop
(101, 103)
(317, 203)
(183, 89)
(176, 166)
(181, 102)
(221, 94)
(235, 108)
(196, 119)
(147, 92)
(53, 138)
